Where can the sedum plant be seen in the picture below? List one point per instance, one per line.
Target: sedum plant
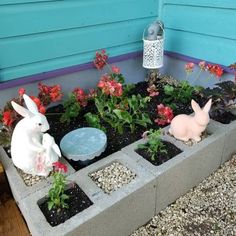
(154, 143)
(56, 195)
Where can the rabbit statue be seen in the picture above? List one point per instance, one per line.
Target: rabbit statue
(26, 142)
(186, 127)
(52, 151)
(51, 154)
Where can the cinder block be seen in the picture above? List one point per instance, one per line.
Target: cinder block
(117, 214)
(230, 140)
(178, 175)
(19, 189)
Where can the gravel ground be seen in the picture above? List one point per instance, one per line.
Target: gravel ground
(208, 209)
(112, 177)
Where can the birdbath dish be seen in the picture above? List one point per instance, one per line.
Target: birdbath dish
(83, 144)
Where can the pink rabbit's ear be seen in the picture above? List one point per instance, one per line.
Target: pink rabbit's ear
(207, 107)
(195, 106)
(21, 110)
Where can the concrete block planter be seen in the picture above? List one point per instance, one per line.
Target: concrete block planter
(119, 213)
(19, 189)
(230, 140)
(132, 205)
(176, 176)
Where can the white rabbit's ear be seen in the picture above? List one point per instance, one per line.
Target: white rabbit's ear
(21, 110)
(56, 149)
(30, 104)
(207, 107)
(195, 106)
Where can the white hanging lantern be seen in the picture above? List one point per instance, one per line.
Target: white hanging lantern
(153, 45)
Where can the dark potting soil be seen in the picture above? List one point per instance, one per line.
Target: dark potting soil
(161, 158)
(78, 201)
(117, 141)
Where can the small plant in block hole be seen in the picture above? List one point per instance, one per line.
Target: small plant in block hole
(156, 150)
(64, 199)
(57, 194)
(154, 143)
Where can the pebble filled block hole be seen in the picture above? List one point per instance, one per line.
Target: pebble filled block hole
(112, 177)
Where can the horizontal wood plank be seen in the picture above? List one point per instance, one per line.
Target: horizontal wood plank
(60, 15)
(221, 50)
(216, 22)
(13, 2)
(34, 48)
(227, 4)
(62, 62)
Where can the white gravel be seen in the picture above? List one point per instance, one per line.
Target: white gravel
(208, 209)
(112, 177)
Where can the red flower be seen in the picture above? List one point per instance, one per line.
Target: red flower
(215, 70)
(42, 109)
(39, 104)
(21, 91)
(109, 86)
(60, 166)
(165, 114)
(36, 100)
(7, 118)
(115, 69)
(81, 96)
(48, 94)
(100, 59)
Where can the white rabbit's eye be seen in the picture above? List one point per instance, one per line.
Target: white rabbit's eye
(39, 124)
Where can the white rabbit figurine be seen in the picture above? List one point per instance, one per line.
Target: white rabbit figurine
(51, 154)
(26, 142)
(52, 151)
(186, 127)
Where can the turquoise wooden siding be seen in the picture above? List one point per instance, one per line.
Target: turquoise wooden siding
(204, 29)
(39, 35)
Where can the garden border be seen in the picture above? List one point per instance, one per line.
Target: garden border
(152, 190)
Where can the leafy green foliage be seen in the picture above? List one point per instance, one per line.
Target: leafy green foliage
(72, 109)
(94, 121)
(154, 143)
(122, 113)
(182, 93)
(56, 194)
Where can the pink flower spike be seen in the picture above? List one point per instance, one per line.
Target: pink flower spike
(189, 67)
(202, 65)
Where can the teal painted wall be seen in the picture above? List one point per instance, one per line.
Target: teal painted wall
(203, 29)
(41, 35)
(37, 36)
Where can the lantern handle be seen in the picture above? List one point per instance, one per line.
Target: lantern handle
(161, 25)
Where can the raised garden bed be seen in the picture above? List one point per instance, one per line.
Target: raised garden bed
(148, 189)
(153, 188)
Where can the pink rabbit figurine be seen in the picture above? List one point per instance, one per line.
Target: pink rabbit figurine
(186, 127)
